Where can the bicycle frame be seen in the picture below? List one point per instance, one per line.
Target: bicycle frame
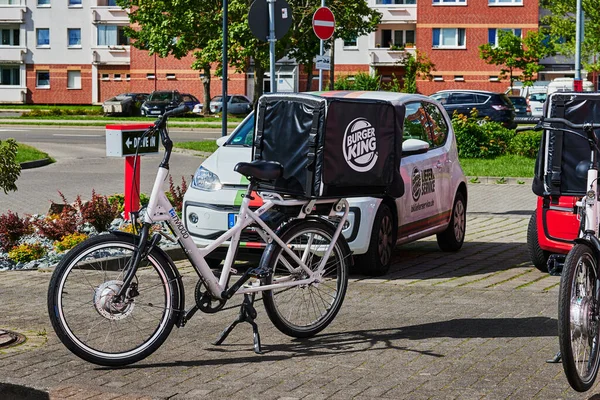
(160, 209)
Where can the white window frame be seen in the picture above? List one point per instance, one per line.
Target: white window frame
(504, 29)
(75, 82)
(456, 37)
(504, 3)
(37, 79)
(171, 76)
(73, 46)
(105, 77)
(117, 77)
(71, 5)
(37, 38)
(449, 2)
(150, 76)
(44, 5)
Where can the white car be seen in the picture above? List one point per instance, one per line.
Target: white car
(434, 200)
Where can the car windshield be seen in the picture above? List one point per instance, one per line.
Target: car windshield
(244, 133)
(161, 96)
(219, 99)
(518, 101)
(504, 98)
(541, 97)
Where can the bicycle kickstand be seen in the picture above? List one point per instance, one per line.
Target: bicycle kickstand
(247, 314)
(556, 359)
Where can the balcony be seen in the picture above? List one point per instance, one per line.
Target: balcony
(12, 11)
(111, 55)
(12, 94)
(386, 56)
(109, 15)
(12, 54)
(397, 13)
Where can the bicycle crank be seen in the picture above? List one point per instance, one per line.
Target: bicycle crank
(205, 301)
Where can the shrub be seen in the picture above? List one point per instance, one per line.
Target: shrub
(12, 228)
(119, 200)
(69, 241)
(175, 193)
(57, 226)
(99, 211)
(480, 138)
(526, 144)
(27, 252)
(9, 168)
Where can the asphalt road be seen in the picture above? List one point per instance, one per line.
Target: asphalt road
(82, 166)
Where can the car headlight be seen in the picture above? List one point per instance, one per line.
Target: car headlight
(206, 180)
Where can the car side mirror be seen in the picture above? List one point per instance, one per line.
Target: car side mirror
(221, 141)
(414, 146)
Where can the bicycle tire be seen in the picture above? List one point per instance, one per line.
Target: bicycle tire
(90, 324)
(577, 322)
(303, 311)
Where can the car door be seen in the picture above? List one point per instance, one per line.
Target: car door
(461, 103)
(421, 203)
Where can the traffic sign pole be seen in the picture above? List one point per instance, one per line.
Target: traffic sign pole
(132, 185)
(321, 51)
(272, 40)
(323, 25)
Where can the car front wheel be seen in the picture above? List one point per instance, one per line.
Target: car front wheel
(376, 261)
(453, 237)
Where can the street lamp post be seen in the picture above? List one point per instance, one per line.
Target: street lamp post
(577, 82)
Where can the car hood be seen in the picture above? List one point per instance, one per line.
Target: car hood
(222, 161)
(153, 103)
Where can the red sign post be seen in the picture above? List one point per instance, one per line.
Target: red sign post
(323, 23)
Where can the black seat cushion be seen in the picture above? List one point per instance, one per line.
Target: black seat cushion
(259, 169)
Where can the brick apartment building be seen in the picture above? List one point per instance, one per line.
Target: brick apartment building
(75, 51)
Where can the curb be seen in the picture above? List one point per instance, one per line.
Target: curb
(498, 180)
(20, 392)
(36, 163)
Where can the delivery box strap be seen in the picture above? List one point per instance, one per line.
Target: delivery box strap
(555, 176)
(312, 146)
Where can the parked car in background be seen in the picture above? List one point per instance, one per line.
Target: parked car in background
(567, 85)
(236, 104)
(190, 101)
(536, 101)
(496, 106)
(124, 104)
(434, 200)
(522, 111)
(198, 108)
(160, 101)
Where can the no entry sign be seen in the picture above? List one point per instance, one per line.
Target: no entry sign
(323, 23)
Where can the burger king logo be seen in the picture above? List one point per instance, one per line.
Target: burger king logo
(360, 145)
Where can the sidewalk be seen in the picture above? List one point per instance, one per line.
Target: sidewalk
(67, 122)
(475, 324)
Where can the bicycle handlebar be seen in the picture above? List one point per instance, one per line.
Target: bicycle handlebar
(160, 124)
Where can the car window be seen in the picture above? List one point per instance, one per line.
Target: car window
(439, 127)
(187, 97)
(504, 99)
(236, 99)
(415, 123)
(482, 98)
(518, 101)
(541, 97)
(244, 134)
(161, 96)
(441, 97)
(461, 98)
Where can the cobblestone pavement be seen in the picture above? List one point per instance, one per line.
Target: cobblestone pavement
(477, 324)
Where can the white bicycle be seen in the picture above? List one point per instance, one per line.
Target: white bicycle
(114, 299)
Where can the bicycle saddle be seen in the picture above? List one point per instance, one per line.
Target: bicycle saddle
(259, 169)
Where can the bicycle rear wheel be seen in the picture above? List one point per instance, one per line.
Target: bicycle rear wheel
(578, 331)
(91, 322)
(303, 311)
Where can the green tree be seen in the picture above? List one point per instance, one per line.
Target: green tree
(560, 22)
(418, 66)
(9, 168)
(513, 53)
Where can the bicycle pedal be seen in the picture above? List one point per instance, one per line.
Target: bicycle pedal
(259, 272)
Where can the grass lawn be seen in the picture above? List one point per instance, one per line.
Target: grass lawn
(504, 166)
(205, 145)
(28, 153)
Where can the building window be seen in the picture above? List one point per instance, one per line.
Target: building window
(112, 35)
(170, 76)
(459, 78)
(450, 2)
(9, 2)
(74, 37)
(449, 38)
(43, 37)
(438, 78)
(127, 77)
(107, 3)
(10, 37)
(378, 2)
(505, 2)
(117, 77)
(42, 79)
(43, 3)
(74, 3)
(494, 79)
(493, 35)
(74, 79)
(150, 76)
(351, 42)
(104, 77)
(10, 76)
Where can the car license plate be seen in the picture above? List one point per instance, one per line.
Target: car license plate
(538, 109)
(231, 220)
(154, 112)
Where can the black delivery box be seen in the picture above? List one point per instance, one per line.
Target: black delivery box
(563, 158)
(330, 147)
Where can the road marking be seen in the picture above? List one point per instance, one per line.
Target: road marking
(11, 130)
(74, 135)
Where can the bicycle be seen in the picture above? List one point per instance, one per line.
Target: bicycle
(114, 299)
(579, 294)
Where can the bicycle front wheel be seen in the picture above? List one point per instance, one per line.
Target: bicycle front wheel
(578, 317)
(88, 318)
(304, 310)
